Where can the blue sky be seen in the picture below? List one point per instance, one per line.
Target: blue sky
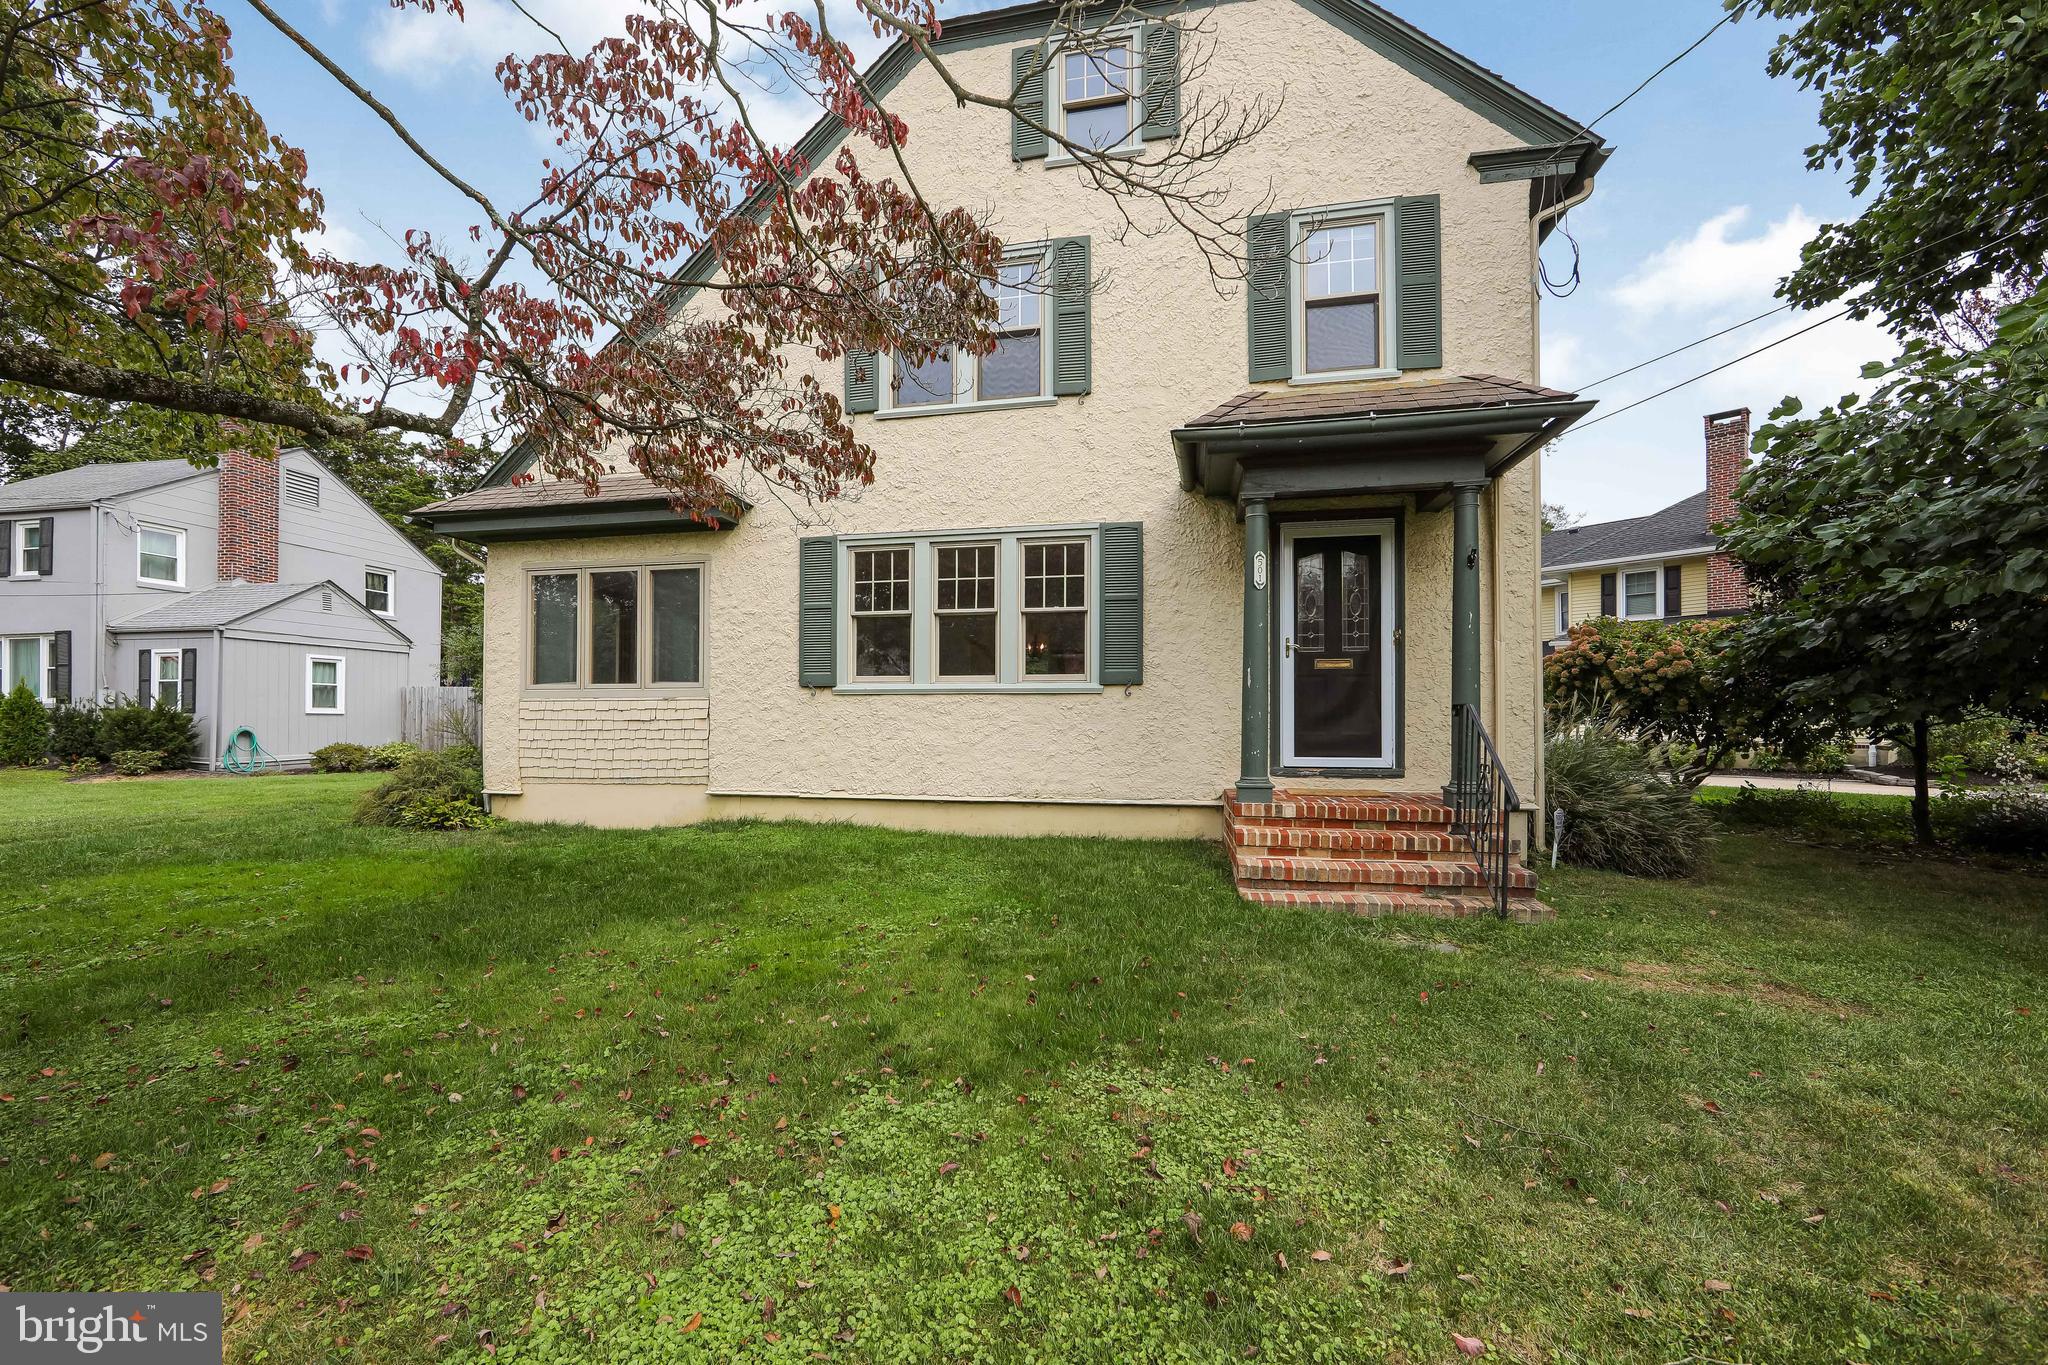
(1702, 209)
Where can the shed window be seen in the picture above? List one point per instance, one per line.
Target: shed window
(325, 684)
(165, 677)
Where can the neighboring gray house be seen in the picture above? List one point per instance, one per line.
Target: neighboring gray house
(261, 593)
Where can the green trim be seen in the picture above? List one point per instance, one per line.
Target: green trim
(1029, 66)
(1418, 283)
(817, 612)
(1254, 744)
(1465, 668)
(1525, 163)
(1073, 283)
(1269, 349)
(1161, 98)
(572, 523)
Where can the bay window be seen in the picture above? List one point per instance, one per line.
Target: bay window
(615, 628)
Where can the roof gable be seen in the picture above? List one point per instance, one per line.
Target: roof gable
(1488, 94)
(233, 604)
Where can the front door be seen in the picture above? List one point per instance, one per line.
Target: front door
(1334, 647)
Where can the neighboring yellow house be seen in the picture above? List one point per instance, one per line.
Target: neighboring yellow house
(1179, 545)
(1668, 564)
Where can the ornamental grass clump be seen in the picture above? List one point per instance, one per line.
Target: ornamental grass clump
(1624, 810)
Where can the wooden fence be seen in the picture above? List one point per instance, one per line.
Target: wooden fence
(439, 717)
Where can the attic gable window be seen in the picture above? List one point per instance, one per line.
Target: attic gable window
(302, 487)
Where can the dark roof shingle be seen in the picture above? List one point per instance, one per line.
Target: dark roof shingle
(1328, 402)
(92, 483)
(1681, 526)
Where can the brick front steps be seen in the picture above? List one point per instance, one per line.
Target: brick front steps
(1365, 855)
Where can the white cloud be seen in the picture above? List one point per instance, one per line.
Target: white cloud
(425, 47)
(1705, 273)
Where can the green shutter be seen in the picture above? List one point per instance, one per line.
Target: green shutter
(1162, 81)
(863, 387)
(1121, 602)
(145, 690)
(1072, 278)
(188, 682)
(60, 665)
(817, 598)
(1265, 291)
(1027, 82)
(1418, 284)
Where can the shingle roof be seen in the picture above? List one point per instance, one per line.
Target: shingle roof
(1321, 402)
(539, 494)
(92, 483)
(213, 607)
(1681, 526)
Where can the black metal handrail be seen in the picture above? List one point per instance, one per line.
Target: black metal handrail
(1483, 801)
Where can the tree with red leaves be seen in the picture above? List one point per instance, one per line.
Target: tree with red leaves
(152, 243)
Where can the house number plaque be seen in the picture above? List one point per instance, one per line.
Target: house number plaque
(1259, 569)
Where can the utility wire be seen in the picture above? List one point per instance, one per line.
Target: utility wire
(1778, 341)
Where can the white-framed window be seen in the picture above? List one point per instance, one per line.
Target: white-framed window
(615, 628)
(302, 486)
(881, 613)
(1340, 262)
(1097, 89)
(380, 588)
(166, 677)
(1055, 609)
(970, 610)
(1639, 594)
(1017, 371)
(1564, 612)
(159, 556)
(30, 659)
(326, 685)
(28, 549)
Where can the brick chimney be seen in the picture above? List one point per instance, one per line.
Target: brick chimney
(248, 518)
(1727, 453)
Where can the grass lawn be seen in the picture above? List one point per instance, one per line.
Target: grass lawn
(787, 1093)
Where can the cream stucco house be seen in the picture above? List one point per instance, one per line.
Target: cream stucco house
(1169, 549)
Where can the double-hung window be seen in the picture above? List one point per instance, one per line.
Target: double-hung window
(27, 659)
(166, 676)
(1639, 595)
(326, 685)
(159, 556)
(378, 591)
(1097, 90)
(1014, 371)
(615, 628)
(1564, 612)
(28, 549)
(973, 610)
(881, 613)
(1340, 266)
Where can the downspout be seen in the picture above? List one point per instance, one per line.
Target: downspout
(220, 663)
(99, 630)
(1539, 822)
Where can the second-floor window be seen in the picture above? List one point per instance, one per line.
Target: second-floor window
(1096, 90)
(1342, 272)
(28, 549)
(377, 590)
(160, 556)
(1016, 369)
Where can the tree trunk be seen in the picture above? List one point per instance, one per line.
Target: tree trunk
(1923, 821)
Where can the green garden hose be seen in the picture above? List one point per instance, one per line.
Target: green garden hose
(245, 755)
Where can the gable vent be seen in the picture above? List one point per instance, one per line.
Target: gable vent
(302, 488)
(327, 601)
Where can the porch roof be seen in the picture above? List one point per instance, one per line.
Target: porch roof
(1403, 436)
(621, 504)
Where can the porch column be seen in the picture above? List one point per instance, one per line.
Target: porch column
(1464, 627)
(1255, 768)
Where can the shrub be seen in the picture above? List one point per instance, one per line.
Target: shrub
(2011, 817)
(1809, 813)
(1622, 810)
(83, 766)
(386, 757)
(1988, 743)
(136, 762)
(24, 727)
(74, 730)
(341, 758)
(429, 791)
(131, 725)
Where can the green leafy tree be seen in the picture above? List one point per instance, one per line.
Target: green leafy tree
(24, 727)
(1938, 107)
(1899, 544)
